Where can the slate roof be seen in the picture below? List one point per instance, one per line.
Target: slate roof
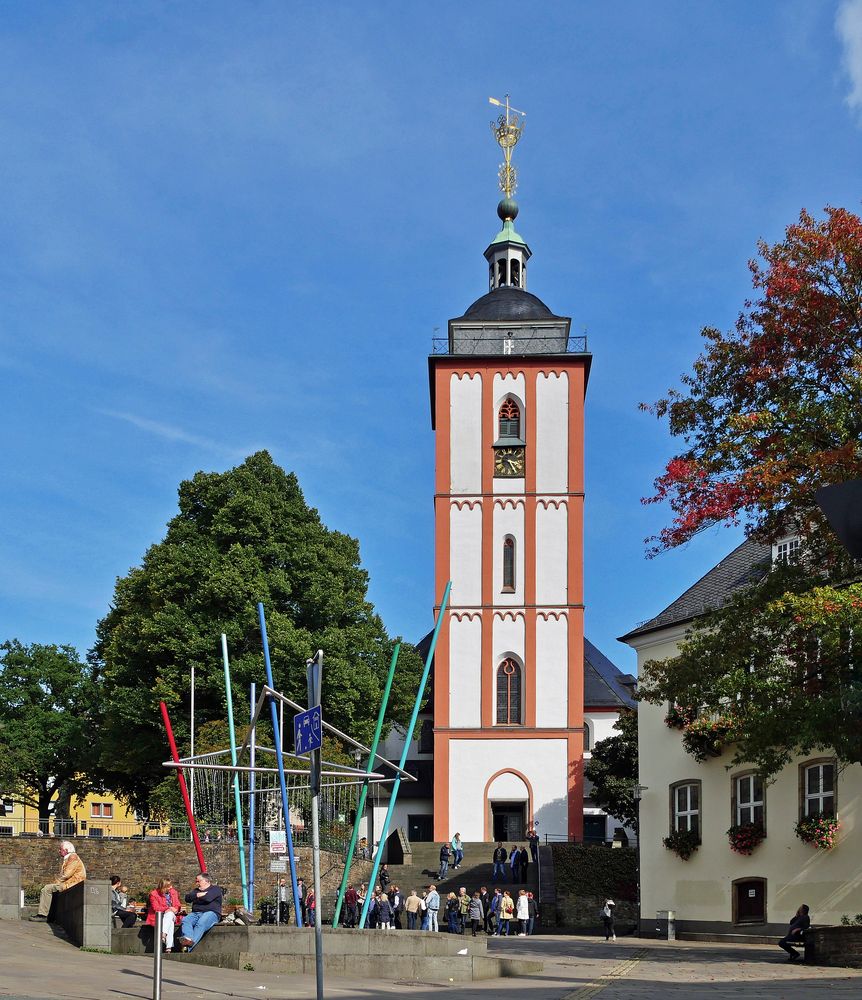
(508, 304)
(604, 683)
(744, 565)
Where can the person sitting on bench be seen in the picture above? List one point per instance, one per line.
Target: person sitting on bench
(206, 910)
(120, 903)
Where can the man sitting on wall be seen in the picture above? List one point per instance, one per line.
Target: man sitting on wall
(71, 873)
(206, 910)
(796, 933)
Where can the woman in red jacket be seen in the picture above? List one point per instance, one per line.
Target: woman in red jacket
(165, 898)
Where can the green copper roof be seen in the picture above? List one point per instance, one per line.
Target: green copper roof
(508, 235)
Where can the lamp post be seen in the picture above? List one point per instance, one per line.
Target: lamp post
(638, 794)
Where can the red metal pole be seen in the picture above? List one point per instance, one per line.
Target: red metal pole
(183, 790)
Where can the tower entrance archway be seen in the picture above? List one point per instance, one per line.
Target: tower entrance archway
(509, 820)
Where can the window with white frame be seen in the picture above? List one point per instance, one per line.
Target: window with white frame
(686, 807)
(818, 789)
(749, 799)
(101, 810)
(786, 549)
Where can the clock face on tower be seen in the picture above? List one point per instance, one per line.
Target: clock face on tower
(509, 462)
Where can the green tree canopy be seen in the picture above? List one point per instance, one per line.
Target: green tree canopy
(242, 536)
(613, 771)
(47, 722)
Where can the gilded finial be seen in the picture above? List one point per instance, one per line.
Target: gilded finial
(507, 131)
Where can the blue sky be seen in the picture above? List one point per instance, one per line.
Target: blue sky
(229, 226)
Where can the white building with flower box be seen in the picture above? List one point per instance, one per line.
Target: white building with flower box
(719, 890)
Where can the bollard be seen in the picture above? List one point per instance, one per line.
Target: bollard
(157, 956)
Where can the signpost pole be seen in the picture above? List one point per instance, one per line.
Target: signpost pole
(315, 672)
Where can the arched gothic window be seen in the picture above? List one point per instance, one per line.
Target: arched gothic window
(509, 693)
(510, 419)
(509, 564)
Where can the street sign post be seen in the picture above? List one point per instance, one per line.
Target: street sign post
(308, 730)
(278, 865)
(277, 842)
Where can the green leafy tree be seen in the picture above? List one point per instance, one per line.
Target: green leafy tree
(613, 771)
(48, 702)
(242, 536)
(771, 411)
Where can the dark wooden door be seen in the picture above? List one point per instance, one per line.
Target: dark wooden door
(750, 901)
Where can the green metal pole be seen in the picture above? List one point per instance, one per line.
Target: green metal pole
(363, 794)
(236, 796)
(408, 737)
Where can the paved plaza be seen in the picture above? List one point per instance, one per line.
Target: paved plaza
(34, 963)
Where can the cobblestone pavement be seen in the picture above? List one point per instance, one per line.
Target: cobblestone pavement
(37, 965)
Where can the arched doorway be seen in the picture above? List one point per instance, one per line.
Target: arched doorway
(508, 807)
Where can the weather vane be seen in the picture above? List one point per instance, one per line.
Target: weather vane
(507, 131)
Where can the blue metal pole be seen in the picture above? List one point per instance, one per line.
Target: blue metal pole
(279, 756)
(237, 802)
(251, 783)
(408, 738)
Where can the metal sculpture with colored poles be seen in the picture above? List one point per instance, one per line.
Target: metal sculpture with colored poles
(236, 793)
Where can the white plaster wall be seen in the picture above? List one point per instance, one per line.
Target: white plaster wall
(465, 441)
(508, 521)
(552, 433)
(465, 672)
(601, 727)
(830, 882)
(508, 786)
(508, 638)
(403, 809)
(473, 762)
(552, 672)
(465, 554)
(551, 555)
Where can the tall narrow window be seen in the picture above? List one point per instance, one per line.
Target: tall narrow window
(685, 807)
(749, 799)
(516, 273)
(510, 419)
(819, 790)
(509, 565)
(501, 273)
(508, 694)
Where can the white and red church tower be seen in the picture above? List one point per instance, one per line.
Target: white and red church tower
(507, 404)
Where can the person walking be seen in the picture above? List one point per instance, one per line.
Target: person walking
(796, 933)
(432, 901)
(523, 912)
(607, 915)
(444, 862)
(457, 851)
(413, 906)
(476, 912)
(499, 862)
(72, 871)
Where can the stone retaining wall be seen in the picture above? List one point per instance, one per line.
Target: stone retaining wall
(841, 946)
(141, 863)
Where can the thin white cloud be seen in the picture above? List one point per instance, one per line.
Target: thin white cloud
(170, 432)
(848, 24)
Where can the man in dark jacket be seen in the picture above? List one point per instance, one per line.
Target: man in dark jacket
(206, 910)
(385, 878)
(444, 861)
(499, 859)
(351, 899)
(796, 933)
(485, 900)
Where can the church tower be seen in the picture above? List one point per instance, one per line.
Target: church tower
(507, 404)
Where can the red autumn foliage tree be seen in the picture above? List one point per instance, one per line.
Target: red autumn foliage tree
(773, 408)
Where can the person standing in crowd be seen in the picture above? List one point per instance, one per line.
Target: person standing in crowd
(476, 912)
(444, 862)
(397, 903)
(413, 906)
(452, 913)
(284, 892)
(523, 912)
(533, 839)
(385, 878)
(463, 910)
(351, 899)
(426, 916)
(607, 915)
(499, 863)
(486, 902)
(523, 861)
(432, 901)
(507, 911)
(494, 921)
(384, 912)
(796, 933)
(72, 871)
(457, 851)
(120, 904)
(534, 913)
(515, 862)
(373, 911)
(300, 892)
(310, 906)
(166, 899)
(206, 900)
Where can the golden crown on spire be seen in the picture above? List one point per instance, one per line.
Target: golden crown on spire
(507, 131)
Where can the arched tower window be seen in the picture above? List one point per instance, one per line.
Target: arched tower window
(509, 693)
(509, 565)
(516, 273)
(501, 272)
(510, 419)
(491, 278)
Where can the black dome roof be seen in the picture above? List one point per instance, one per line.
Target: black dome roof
(508, 303)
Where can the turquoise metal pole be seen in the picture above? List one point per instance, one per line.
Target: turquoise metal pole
(236, 796)
(408, 738)
(363, 795)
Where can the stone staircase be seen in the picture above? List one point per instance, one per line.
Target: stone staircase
(475, 870)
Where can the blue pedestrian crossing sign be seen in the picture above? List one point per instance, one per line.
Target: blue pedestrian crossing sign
(308, 730)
